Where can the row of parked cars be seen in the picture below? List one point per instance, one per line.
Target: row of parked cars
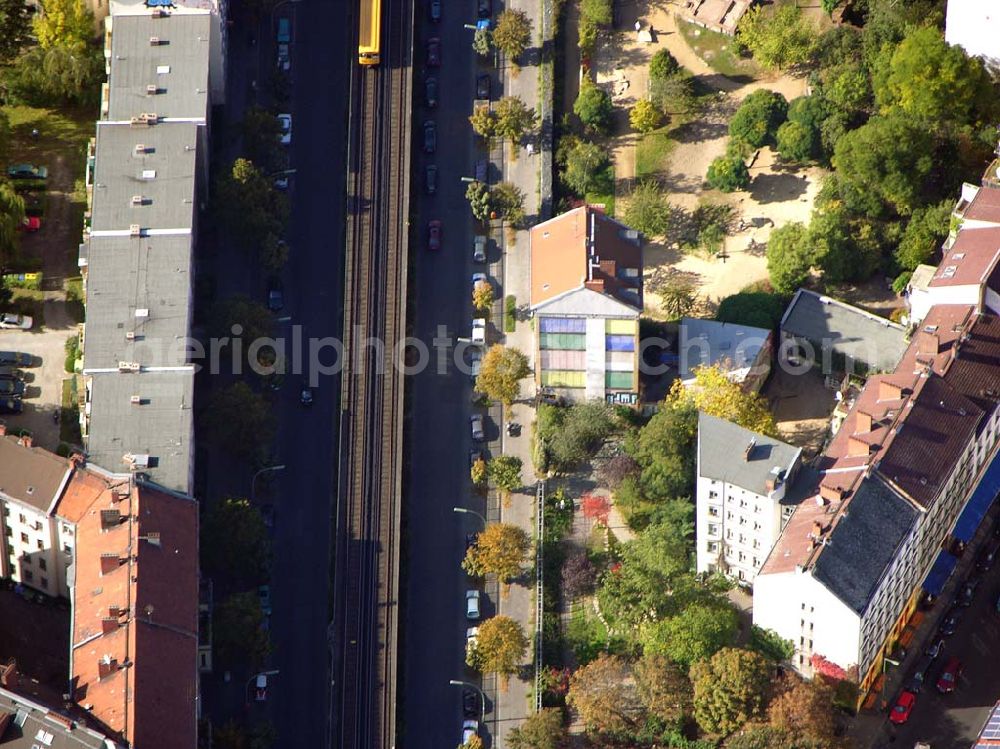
(29, 180)
(947, 677)
(12, 380)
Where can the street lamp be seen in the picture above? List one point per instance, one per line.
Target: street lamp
(281, 172)
(482, 696)
(464, 511)
(253, 481)
(468, 180)
(253, 677)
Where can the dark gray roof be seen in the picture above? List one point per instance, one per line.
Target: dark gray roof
(721, 448)
(27, 725)
(160, 426)
(148, 275)
(177, 66)
(163, 174)
(863, 543)
(846, 330)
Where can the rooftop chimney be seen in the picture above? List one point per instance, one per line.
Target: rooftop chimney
(857, 447)
(106, 666)
(818, 529)
(26, 440)
(108, 626)
(831, 493)
(928, 343)
(863, 423)
(749, 449)
(109, 563)
(888, 391)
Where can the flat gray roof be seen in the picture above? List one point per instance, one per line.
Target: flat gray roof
(845, 330)
(28, 725)
(710, 342)
(140, 286)
(721, 454)
(163, 174)
(177, 66)
(161, 426)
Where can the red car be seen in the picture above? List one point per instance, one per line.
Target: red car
(434, 235)
(946, 681)
(31, 223)
(434, 52)
(903, 707)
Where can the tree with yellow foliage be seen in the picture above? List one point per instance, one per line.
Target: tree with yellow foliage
(714, 393)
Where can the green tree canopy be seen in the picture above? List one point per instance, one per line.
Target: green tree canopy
(261, 138)
(249, 205)
(11, 218)
(789, 257)
(571, 435)
(59, 75)
(645, 117)
(507, 200)
(15, 28)
(505, 472)
(758, 118)
(514, 119)
(756, 308)
(480, 202)
(696, 633)
(663, 687)
(674, 94)
(501, 372)
(647, 209)
(585, 166)
(64, 23)
(235, 544)
(925, 231)
(883, 165)
(597, 12)
(593, 106)
(730, 689)
(728, 173)
(541, 730)
(253, 317)
(778, 37)
(240, 419)
(845, 249)
(663, 65)
(512, 32)
(238, 635)
(796, 142)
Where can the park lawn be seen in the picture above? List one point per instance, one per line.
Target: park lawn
(717, 50)
(605, 195)
(652, 151)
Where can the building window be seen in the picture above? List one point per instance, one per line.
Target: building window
(42, 564)
(9, 531)
(27, 575)
(24, 538)
(67, 548)
(713, 529)
(40, 544)
(713, 512)
(713, 495)
(713, 546)
(756, 562)
(22, 519)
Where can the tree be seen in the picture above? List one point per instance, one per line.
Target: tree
(541, 730)
(696, 633)
(578, 575)
(253, 319)
(508, 200)
(482, 41)
(15, 29)
(512, 32)
(663, 66)
(647, 210)
(505, 472)
(482, 296)
(484, 121)
(674, 94)
(501, 550)
(730, 689)
(778, 38)
(883, 165)
(845, 249)
(596, 507)
(261, 138)
(249, 205)
(585, 165)
(758, 118)
(796, 142)
(11, 219)
(614, 471)
(598, 12)
(934, 81)
(478, 195)
(756, 308)
(237, 630)
(235, 544)
(645, 117)
(273, 253)
(677, 291)
(500, 647)
(240, 419)
(571, 435)
(593, 106)
(789, 257)
(663, 687)
(64, 23)
(925, 231)
(478, 472)
(805, 709)
(714, 393)
(829, 6)
(728, 173)
(63, 74)
(514, 119)
(758, 736)
(501, 373)
(605, 695)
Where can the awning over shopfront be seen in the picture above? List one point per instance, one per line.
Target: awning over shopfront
(940, 573)
(979, 503)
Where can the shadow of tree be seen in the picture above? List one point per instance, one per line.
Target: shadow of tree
(777, 188)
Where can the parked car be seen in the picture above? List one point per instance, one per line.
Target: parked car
(434, 52)
(483, 85)
(434, 235)
(284, 58)
(264, 596)
(470, 703)
(471, 638)
(306, 396)
(475, 455)
(903, 707)
(479, 249)
(9, 373)
(11, 406)
(30, 224)
(431, 92)
(986, 558)
(434, 10)
(478, 278)
(476, 422)
(475, 363)
(951, 621)
(470, 728)
(27, 171)
(11, 389)
(431, 179)
(934, 649)
(968, 592)
(430, 136)
(16, 359)
(484, 8)
(12, 321)
(482, 170)
(472, 604)
(284, 31)
(275, 296)
(479, 331)
(285, 123)
(281, 182)
(946, 681)
(470, 540)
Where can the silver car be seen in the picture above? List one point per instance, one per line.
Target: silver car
(472, 605)
(479, 249)
(476, 422)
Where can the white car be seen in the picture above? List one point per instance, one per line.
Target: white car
(479, 249)
(479, 331)
(476, 422)
(472, 604)
(11, 321)
(478, 278)
(470, 728)
(471, 638)
(281, 183)
(285, 122)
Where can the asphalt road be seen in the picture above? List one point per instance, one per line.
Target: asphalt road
(953, 721)
(434, 624)
(306, 442)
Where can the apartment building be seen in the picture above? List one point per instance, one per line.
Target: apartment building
(147, 177)
(586, 297)
(911, 473)
(743, 352)
(27, 724)
(746, 488)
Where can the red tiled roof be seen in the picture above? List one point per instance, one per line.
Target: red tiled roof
(970, 260)
(134, 642)
(985, 206)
